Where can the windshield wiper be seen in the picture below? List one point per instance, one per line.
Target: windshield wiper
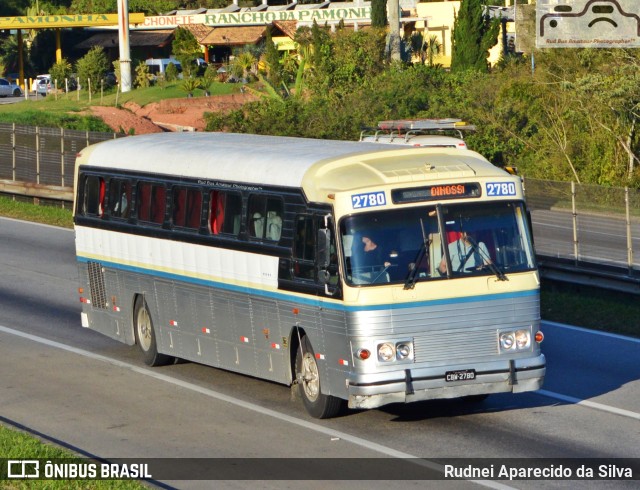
(424, 249)
(490, 264)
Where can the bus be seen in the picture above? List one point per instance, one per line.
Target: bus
(247, 253)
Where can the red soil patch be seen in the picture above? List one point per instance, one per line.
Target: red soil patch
(169, 114)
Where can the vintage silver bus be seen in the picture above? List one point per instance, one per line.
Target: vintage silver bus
(253, 254)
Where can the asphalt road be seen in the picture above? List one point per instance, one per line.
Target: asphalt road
(94, 395)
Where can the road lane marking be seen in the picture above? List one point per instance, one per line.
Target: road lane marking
(587, 403)
(580, 401)
(358, 441)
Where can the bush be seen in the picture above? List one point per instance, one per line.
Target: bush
(143, 77)
(60, 72)
(171, 72)
(92, 66)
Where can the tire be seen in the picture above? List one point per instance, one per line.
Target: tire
(318, 405)
(16, 93)
(146, 336)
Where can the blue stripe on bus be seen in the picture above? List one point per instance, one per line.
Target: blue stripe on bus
(308, 301)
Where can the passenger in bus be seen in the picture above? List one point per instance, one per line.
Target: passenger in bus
(371, 254)
(466, 255)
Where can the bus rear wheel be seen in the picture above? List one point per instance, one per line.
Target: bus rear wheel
(318, 405)
(146, 336)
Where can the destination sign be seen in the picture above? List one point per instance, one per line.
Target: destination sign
(436, 193)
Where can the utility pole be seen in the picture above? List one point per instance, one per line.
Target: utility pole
(393, 7)
(123, 43)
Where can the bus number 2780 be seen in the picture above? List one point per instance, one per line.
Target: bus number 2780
(368, 200)
(501, 189)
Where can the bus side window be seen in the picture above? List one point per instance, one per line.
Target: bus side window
(158, 203)
(304, 248)
(265, 217)
(151, 202)
(225, 213)
(187, 207)
(144, 201)
(119, 198)
(94, 192)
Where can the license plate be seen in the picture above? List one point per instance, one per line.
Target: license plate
(462, 375)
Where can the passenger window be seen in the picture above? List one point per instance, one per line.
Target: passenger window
(304, 248)
(151, 202)
(187, 207)
(225, 213)
(265, 217)
(119, 198)
(94, 191)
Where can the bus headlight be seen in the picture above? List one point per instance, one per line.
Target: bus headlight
(386, 352)
(399, 351)
(403, 351)
(515, 340)
(523, 339)
(507, 340)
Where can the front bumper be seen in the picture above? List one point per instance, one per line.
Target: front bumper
(412, 385)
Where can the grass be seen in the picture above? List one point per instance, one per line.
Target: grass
(70, 110)
(15, 444)
(51, 215)
(591, 307)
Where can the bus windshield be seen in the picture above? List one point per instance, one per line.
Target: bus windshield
(436, 242)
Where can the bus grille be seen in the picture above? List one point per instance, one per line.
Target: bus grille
(96, 284)
(456, 344)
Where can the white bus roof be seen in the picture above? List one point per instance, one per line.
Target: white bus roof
(320, 167)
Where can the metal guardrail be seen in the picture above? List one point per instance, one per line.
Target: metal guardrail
(589, 274)
(43, 156)
(37, 191)
(584, 234)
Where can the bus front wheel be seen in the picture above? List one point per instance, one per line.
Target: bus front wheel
(146, 336)
(317, 404)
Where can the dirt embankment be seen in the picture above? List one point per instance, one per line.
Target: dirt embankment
(169, 114)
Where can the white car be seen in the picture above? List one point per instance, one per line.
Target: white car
(43, 87)
(36, 81)
(9, 89)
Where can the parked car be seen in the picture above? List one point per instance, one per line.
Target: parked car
(43, 87)
(36, 81)
(9, 89)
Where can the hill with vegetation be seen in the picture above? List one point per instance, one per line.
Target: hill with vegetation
(565, 114)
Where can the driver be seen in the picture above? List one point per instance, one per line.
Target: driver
(466, 254)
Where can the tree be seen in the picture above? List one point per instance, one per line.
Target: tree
(92, 66)
(9, 53)
(186, 50)
(379, 13)
(433, 47)
(150, 7)
(272, 60)
(474, 33)
(60, 72)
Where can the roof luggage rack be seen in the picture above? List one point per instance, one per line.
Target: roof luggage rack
(408, 128)
(404, 125)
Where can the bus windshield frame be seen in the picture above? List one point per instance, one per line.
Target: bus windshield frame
(407, 245)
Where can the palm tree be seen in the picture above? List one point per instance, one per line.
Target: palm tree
(433, 48)
(244, 64)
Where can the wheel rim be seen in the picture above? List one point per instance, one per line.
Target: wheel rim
(310, 378)
(144, 329)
